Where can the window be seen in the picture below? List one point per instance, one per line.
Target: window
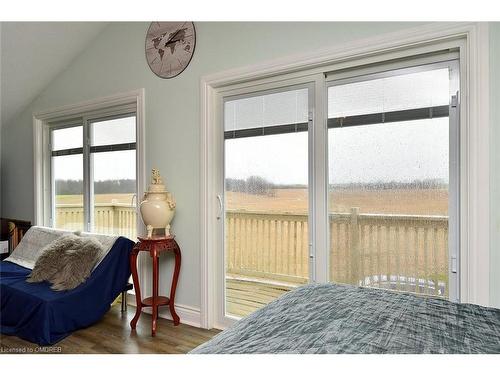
(113, 174)
(390, 184)
(93, 172)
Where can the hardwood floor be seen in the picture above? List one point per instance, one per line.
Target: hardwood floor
(113, 335)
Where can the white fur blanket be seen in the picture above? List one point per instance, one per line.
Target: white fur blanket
(37, 238)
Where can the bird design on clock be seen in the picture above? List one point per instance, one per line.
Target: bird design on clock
(170, 47)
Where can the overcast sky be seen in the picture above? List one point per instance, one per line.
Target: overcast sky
(384, 152)
(402, 151)
(107, 165)
(397, 151)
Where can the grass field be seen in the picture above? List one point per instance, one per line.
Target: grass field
(412, 202)
(99, 198)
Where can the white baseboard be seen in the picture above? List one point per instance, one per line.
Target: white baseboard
(188, 314)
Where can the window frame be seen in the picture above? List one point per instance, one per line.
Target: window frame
(120, 105)
(472, 42)
(451, 61)
(86, 121)
(319, 262)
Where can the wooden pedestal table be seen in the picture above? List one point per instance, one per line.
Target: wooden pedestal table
(155, 246)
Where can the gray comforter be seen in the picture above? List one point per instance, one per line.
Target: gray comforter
(331, 318)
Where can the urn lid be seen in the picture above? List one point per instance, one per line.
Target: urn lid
(158, 188)
(156, 185)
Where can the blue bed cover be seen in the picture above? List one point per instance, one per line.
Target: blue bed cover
(34, 312)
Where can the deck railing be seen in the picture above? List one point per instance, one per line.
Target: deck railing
(402, 252)
(109, 218)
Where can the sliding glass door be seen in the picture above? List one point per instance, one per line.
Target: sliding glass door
(266, 197)
(392, 185)
(364, 191)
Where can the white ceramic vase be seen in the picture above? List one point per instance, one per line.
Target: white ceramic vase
(157, 207)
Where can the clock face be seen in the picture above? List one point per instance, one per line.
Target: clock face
(170, 47)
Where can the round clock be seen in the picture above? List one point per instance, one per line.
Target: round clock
(170, 47)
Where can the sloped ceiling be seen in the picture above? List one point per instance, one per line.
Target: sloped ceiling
(33, 54)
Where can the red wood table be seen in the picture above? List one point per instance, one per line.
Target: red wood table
(155, 246)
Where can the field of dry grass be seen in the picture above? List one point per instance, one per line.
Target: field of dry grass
(412, 202)
(99, 198)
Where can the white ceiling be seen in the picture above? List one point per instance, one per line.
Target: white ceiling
(33, 54)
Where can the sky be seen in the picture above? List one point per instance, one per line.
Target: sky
(402, 151)
(106, 165)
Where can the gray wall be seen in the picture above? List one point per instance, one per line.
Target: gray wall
(115, 63)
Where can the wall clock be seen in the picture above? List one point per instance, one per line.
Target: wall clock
(170, 47)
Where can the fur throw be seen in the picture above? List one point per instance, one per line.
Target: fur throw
(66, 262)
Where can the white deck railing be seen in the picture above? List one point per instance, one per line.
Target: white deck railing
(109, 218)
(402, 252)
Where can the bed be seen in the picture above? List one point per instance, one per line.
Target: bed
(333, 318)
(34, 312)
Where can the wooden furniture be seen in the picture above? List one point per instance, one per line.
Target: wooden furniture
(13, 231)
(155, 246)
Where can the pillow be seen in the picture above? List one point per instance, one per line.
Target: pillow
(52, 258)
(67, 261)
(79, 264)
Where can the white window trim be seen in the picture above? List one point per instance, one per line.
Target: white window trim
(473, 41)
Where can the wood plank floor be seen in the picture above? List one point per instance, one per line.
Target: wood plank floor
(246, 296)
(112, 334)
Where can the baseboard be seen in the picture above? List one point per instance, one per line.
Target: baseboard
(188, 314)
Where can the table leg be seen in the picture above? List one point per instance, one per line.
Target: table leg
(175, 278)
(135, 277)
(154, 307)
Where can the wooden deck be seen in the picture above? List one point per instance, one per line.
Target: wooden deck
(245, 295)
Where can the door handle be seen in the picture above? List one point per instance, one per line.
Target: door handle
(219, 199)
(454, 264)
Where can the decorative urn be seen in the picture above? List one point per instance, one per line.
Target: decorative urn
(158, 206)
